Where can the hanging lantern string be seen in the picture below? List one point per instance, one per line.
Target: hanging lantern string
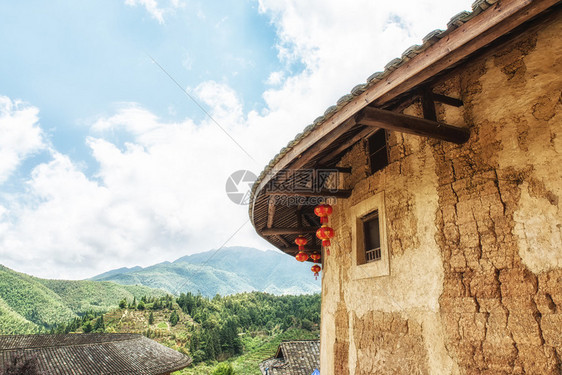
(301, 241)
(324, 233)
(316, 269)
(323, 211)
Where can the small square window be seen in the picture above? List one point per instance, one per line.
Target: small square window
(378, 151)
(370, 255)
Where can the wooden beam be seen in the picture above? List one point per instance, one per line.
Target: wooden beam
(447, 100)
(389, 120)
(294, 230)
(345, 145)
(270, 212)
(298, 213)
(340, 169)
(428, 105)
(311, 152)
(321, 193)
(295, 249)
(283, 241)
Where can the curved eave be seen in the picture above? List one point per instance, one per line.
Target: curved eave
(467, 33)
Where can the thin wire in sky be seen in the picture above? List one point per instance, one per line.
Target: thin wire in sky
(201, 108)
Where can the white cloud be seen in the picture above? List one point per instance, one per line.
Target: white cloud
(20, 135)
(162, 194)
(157, 197)
(275, 78)
(153, 8)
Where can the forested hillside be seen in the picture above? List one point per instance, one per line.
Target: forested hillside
(29, 304)
(241, 329)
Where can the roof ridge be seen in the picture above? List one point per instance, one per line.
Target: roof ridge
(304, 340)
(20, 341)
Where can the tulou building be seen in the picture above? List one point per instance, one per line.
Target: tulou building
(444, 173)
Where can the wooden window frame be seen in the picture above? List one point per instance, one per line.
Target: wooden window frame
(372, 254)
(380, 150)
(361, 269)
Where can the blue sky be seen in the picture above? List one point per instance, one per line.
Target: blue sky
(76, 60)
(105, 162)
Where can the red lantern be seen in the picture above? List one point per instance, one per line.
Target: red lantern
(301, 241)
(316, 269)
(301, 256)
(323, 211)
(324, 234)
(315, 257)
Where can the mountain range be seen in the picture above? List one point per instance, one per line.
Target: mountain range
(30, 304)
(225, 271)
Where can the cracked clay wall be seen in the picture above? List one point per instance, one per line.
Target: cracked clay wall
(474, 231)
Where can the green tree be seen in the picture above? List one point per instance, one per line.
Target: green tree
(123, 303)
(151, 318)
(140, 306)
(230, 341)
(224, 368)
(87, 327)
(100, 325)
(174, 318)
(307, 324)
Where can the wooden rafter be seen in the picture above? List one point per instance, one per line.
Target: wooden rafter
(381, 118)
(270, 212)
(320, 193)
(428, 105)
(447, 100)
(314, 149)
(283, 241)
(345, 145)
(295, 249)
(294, 230)
(298, 214)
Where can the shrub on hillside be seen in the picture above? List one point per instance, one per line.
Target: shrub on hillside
(224, 369)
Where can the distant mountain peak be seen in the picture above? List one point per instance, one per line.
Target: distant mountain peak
(226, 271)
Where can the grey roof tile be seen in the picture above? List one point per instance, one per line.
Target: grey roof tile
(344, 100)
(93, 354)
(432, 36)
(393, 64)
(293, 358)
(377, 76)
(330, 110)
(359, 89)
(479, 5)
(411, 51)
(458, 19)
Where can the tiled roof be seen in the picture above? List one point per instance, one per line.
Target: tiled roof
(93, 354)
(456, 21)
(293, 358)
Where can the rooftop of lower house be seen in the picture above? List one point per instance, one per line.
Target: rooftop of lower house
(293, 357)
(92, 354)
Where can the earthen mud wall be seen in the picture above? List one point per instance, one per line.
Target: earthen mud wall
(474, 231)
